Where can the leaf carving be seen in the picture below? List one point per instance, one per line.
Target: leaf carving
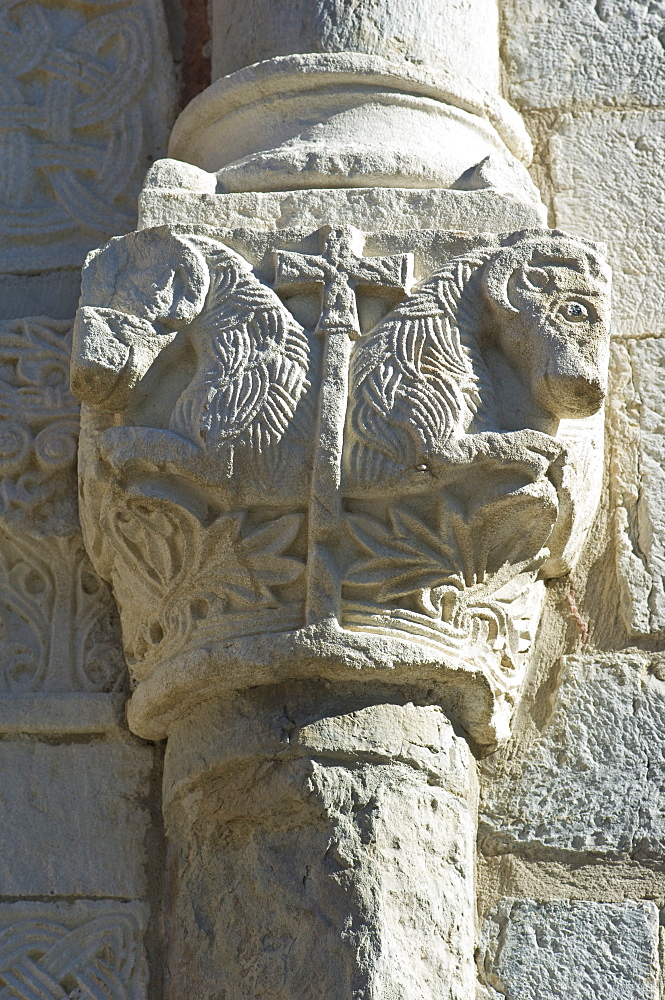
(401, 559)
(249, 565)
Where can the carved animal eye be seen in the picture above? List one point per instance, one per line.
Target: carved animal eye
(574, 312)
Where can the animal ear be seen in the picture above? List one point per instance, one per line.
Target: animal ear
(496, 279)
(151, 274)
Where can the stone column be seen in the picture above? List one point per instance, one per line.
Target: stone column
(331, 447)
(321, 845)
(323, 93)
(441, 36)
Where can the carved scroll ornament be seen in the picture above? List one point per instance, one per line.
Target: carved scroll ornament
(345, 470)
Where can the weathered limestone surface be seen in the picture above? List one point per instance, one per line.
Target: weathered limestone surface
(638, 481)
(178, 193)
(581, 52)
(345, 120)
(293, 806)
(605, 171)
(395, 524)
(73, 949)
(320, 455)
(576, 950)
(594, 781)
(322, 837)
(75, 818)
(247, 31)
(87, 102)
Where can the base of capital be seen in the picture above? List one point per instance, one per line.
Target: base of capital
(465, 681)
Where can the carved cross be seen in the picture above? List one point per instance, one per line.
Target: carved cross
(339, 272)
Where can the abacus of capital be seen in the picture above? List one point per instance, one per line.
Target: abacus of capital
(342, 403)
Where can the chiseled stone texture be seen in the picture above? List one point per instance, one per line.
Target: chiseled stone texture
(74, 818)
(638, 480)
(408, 30)
(346, 840)
(80, 949)
(571, 951)
(585, 51)
(594, 781)
(605, 171)
(88, 95)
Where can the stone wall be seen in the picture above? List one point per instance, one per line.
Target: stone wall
(88, 99)
(571, 832)
(570, 853)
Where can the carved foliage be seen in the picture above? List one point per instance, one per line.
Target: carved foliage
(456, 492)
(56, 616)
(38, 426)
(191, 572)
(57, 620)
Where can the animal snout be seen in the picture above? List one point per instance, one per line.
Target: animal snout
(569, 396)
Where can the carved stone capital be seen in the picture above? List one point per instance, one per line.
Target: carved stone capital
(365, 477)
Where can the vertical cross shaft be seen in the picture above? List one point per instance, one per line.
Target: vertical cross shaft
(338, 272)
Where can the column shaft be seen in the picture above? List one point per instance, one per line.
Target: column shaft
(320, 846)
(437, 35)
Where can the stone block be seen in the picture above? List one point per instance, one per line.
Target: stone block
(594, 780)
(81, 949)
(75, 713)
(90, 102)
(74, 818)
(638, 481)
(571, 951)
(565, 54)
(162, 202)
(608, 174)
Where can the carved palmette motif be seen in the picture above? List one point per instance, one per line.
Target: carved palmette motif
(56, 615)
(390, 458)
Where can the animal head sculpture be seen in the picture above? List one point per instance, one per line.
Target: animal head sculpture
(549, 300)
(201, 441)
(145, 286)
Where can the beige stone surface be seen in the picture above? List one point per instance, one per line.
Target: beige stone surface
(425, 446)
(346, 119)
(173, 197)
(576, 951)
(62, 714)
(638, 481)
(594, 780)
(75, 818)
(75, 949)
(286, 819)
(607, 172)
(75, 166)
(582, 52)
(246, 31)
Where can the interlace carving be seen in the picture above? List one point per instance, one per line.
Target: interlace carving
(98, 959)
(76, 123)
(39, 424)
(408, 480)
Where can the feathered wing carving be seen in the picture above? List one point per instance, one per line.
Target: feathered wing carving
(418, 378)
(252, 370)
